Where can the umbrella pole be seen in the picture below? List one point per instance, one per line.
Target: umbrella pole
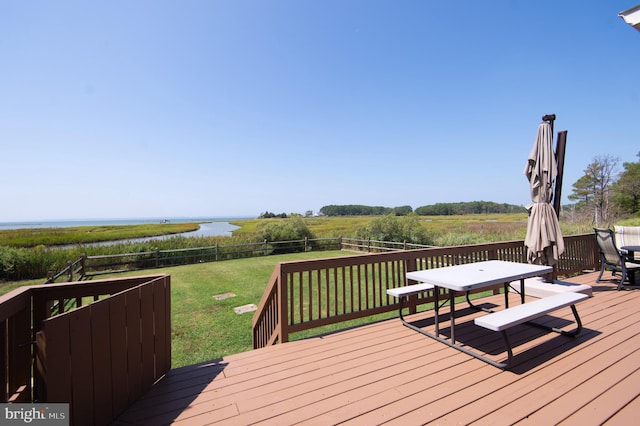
(560, 149)
(561, 143)
(550, 118)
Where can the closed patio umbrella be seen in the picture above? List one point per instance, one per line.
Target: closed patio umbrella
(544, 239)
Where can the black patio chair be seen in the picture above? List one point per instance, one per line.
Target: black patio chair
(612, 259)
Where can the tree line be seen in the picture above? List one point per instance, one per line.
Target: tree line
(473, 207)
(439, 209)
(360, 210)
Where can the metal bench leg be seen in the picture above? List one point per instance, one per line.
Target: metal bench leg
(507, 344)
(572, 333)
(452, 315)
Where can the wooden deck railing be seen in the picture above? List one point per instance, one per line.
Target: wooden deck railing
(98, 357)
(302, 295)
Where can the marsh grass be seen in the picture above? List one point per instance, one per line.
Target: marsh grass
(34, 237)
(487, 227)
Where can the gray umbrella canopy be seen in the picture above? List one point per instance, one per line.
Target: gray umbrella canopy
(544, 239)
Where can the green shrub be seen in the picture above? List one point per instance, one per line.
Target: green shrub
(284, 230)
(291, 229)
(395, 228)
(22, 263)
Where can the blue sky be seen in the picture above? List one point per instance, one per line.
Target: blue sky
(126, 109)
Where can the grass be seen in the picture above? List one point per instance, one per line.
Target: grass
(33, 237)
(6, 287)
(444, 230)
(345, 225)
(630, 222)
(204, 328)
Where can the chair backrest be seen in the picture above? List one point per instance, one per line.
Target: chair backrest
(627, 236)
(607, 245)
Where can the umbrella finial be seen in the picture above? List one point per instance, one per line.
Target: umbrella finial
(549, 117)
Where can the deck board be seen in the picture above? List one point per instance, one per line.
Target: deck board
(384, 373)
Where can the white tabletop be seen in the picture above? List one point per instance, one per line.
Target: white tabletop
(479, 274)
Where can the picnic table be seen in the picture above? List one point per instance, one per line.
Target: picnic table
(479, 275)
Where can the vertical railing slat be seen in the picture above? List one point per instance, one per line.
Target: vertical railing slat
(118, 339)
(19, 355)
(134, 343)
(101, 347)
(82, 366)
(147, 320)
(57, 361)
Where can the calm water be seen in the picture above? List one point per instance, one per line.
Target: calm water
(209, 227)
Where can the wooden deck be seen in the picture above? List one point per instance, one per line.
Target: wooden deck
(387, 373)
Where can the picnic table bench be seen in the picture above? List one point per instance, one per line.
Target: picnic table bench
(480, 275)
(503, 320)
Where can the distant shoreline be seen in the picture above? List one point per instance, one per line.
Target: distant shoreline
(114, 222)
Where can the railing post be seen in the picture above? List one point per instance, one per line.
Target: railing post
(83, 272)
(306, 244)
(69, 271)
(265, 247)
(283, 297)
(157, 254)
(410, 266)
(493, 254)
(216, 252)
(340, 247)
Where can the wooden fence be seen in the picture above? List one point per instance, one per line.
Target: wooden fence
(302, 295)
(88, 266)
(99, 357)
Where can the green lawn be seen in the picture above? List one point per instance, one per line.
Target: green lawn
(204, 328)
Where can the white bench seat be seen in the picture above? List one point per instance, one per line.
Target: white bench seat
(501, 321)
(507, 318)
(409, 290)
(540, 288)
